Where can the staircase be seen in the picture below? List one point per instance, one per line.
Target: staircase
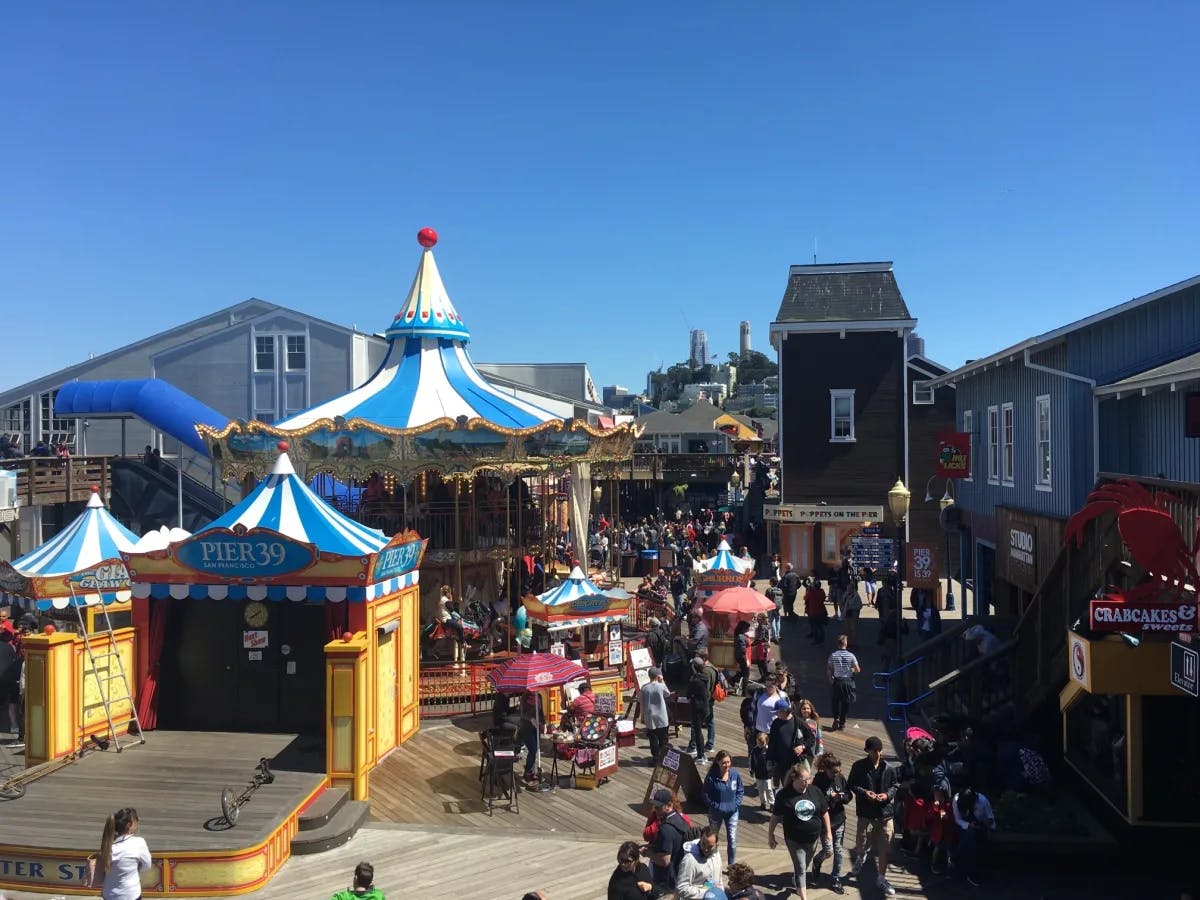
(331, 820)
(145, 497)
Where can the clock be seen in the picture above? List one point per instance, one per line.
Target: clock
(256, 614)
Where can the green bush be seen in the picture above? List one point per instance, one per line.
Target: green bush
(1029, 814)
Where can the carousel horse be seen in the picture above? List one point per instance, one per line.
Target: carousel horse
(439, 640)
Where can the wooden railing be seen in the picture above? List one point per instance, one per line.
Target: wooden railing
(675, 466)
(44, 480)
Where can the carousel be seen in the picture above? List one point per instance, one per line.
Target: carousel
(490, 478)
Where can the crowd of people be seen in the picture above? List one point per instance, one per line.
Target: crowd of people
(11, 449)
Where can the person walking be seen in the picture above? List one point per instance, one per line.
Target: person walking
(774, 593)
(740, 883)
(874, 785)
(829, 779)
(787, 743)
(804, 812)
(851, 610)
(790, 585)
(699, 695)
(653, 699)
(723, 793)
(760, 768)
(122, 856)
(841, 668)
(814, 608)
(741, 656)
(631, 879)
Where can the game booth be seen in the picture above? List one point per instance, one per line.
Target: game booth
(579, 620)
(711, 576)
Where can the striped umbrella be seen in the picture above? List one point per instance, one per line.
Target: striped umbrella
(534, 671)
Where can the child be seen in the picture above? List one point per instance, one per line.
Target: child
(760, 768)
(939, 834)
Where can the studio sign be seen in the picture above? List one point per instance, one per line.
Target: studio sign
(1116, 614)
(1020, 546)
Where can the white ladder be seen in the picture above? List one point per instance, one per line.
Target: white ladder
(101, 668)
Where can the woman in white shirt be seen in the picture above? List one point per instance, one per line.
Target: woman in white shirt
(122, 857)
(975, 820)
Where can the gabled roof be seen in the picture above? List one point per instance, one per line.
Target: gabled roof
(1049, 338)
(698, 418)
(843, 292)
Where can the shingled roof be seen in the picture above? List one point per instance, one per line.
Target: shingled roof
(843, 292)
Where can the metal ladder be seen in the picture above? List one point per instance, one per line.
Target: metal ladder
(106, 677)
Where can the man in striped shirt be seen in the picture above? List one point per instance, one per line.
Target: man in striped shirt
(843, 666)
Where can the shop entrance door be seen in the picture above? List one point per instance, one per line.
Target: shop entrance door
(385, 692)
(985, 569)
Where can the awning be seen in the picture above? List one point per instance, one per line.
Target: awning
(1180, 373)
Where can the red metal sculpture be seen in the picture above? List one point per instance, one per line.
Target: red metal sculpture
(1149, 533)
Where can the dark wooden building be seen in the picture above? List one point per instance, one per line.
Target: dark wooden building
(842, 336)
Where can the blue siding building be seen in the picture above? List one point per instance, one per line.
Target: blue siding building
(1108, 393)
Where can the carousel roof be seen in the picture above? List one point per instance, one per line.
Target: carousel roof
(577, 587)
(283, 503)
(427, 374)
(94, 537)
(724, 559)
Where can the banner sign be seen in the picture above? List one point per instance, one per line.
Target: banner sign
(812, 512)
(953, 454)
(402, 554)
(1114, 613)
(718, 579)
(921, 565)
(1022, 550)
(107, 576)
(253, 554)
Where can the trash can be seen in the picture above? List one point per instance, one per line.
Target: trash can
(629, 563)
(649, 560)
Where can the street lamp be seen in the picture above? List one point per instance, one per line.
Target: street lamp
(734, 480)
(898, 500)
(597, 493)
(945, 503)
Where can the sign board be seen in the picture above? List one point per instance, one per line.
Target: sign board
(255, 640)
(1078, 660)
(616, 652)
(921, 565)
(238, 553)
(1185, 668)
(953, 454)
(402, 554)
(811, 512)
(677, 773)
(1115, 613)
(107, 576)
(58, 872)
(1021, 541)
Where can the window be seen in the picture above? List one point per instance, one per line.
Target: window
(841, 416)
(993, 439)
(1043, 442)
(264, 353)
(54, 429)
(297, 357)
(1006, 437)
(968, 426)
(922, 393)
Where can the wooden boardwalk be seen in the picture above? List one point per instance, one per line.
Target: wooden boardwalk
(174, 781)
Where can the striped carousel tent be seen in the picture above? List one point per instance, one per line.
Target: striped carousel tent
(282, 505)
(578, 601)
(81, 563)
(724, 559)
(427, 374)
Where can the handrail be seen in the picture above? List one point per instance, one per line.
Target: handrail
(904, 705)
(888, 675)
(977, 662)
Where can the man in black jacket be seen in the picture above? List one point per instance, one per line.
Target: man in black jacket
(790, 585)
(699, 694)
(874, 784)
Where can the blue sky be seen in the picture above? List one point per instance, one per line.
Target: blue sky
(602, 177)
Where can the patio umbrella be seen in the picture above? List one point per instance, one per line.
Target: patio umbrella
(532, 672)
(738, 601)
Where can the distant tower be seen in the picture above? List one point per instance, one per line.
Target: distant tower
(698, 355)
(744, 339)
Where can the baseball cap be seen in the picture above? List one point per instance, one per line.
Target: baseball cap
(661, 797)
(782, 703)
(873, 743)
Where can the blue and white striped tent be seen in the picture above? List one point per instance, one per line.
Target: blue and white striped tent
(724, 559)
(578, 587)
(93, 538)
(284, 504)
(427, 374)
(577, 602)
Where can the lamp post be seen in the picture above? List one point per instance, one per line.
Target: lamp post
(945, 503)
(898, 500)
(597, 493)
(734, 480)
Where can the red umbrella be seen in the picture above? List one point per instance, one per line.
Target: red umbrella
(738, 601)
(534, 671)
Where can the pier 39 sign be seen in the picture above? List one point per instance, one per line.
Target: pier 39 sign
(239, 553)
(402, 554)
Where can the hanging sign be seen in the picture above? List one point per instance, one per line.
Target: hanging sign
(921, 569)
(1185, 668)
(953, 454)
(402, 554)
(1115, 613)
(107, 576)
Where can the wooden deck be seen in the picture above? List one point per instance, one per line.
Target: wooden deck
(174, 781)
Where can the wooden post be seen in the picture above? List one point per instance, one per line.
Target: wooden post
(50, 716)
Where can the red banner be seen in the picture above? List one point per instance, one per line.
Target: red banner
(1114, 613)
(953, 454)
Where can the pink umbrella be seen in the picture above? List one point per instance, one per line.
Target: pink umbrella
(738, 601)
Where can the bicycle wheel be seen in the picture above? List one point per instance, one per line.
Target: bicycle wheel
(11, 791)
(229, 807)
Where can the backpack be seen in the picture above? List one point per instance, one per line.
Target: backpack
(747, 711)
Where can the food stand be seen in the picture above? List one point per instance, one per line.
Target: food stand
(721, 570)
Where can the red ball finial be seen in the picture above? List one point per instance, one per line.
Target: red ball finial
(347, 636)
(95, 488)
(49, 629)
(283, 446)
(426, 237)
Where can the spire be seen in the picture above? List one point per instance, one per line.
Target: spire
(428, 311)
